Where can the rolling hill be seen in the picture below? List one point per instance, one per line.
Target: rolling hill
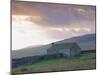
(86, 42)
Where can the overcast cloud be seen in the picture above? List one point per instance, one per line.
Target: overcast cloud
(54, 21)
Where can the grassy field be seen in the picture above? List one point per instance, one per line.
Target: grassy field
(83, 62)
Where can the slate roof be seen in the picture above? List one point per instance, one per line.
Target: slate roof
(62, 46)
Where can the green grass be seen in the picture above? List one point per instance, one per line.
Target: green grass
(82, 62)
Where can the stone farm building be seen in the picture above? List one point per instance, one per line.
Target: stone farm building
(66, 49)
(55, 51)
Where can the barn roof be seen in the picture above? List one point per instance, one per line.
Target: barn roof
(63, 46)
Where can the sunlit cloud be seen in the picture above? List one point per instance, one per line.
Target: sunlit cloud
(87, 29)
(57, 29)
(26, 33)
(41, 23)
(77, 29)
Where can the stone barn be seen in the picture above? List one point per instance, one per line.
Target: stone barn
(66, 49)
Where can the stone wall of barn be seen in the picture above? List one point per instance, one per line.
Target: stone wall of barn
(75, 51)
(53, 51)
(65, 52)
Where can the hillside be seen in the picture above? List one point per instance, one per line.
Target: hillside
(86, 42)
(83, 62)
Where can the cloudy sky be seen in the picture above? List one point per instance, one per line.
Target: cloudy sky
(42, 23)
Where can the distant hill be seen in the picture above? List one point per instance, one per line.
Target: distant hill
(86, 42)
